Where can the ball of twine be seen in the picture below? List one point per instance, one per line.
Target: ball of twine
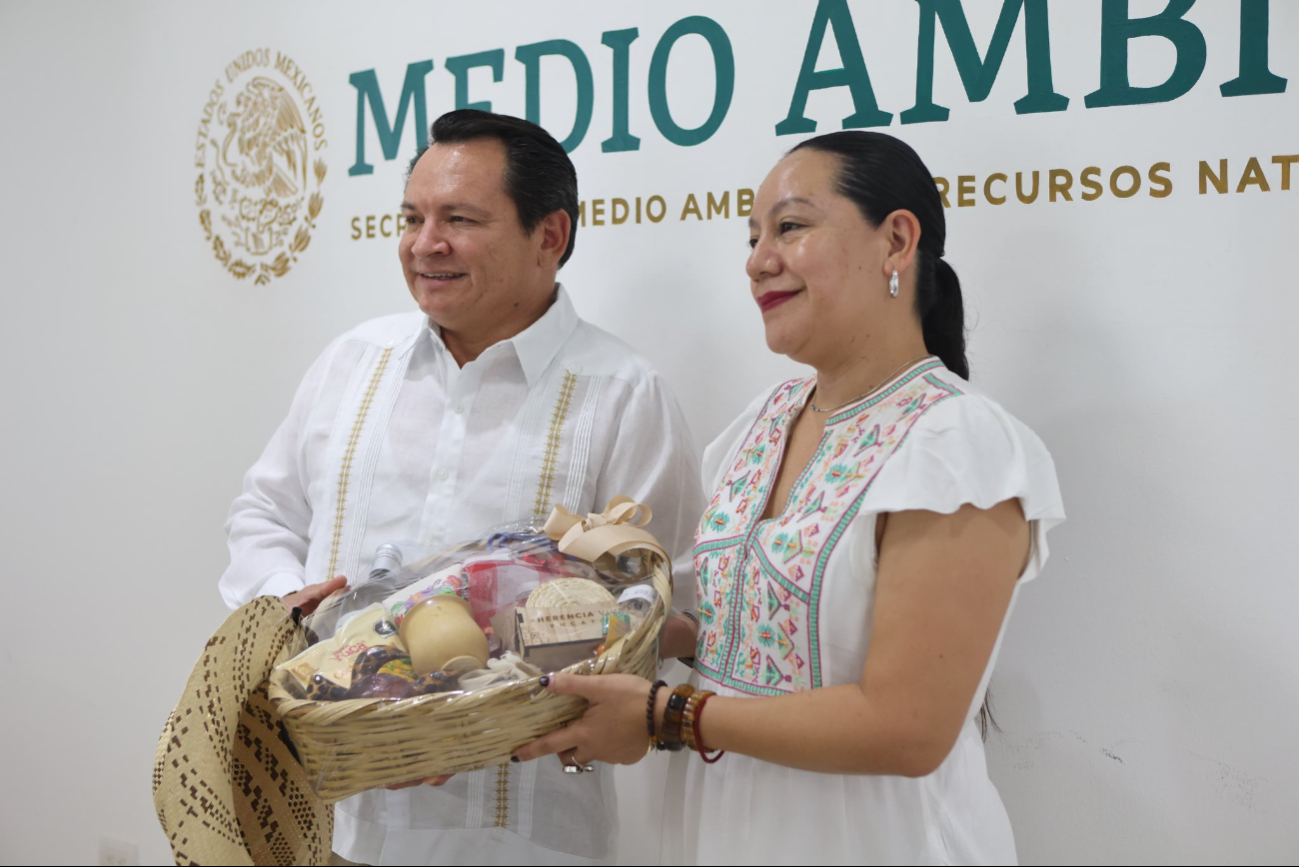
(564, 592)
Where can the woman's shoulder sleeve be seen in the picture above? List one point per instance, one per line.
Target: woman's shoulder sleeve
(967, 449)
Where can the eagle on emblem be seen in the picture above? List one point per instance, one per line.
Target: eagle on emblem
(267, 143)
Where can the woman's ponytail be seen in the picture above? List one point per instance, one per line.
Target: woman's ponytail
(942, 314)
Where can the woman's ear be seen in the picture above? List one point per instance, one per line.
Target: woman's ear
(902, 233)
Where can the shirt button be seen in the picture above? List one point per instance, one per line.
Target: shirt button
(458, 409)
(442, 474)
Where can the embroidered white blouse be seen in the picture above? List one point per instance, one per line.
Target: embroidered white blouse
(389, 440)
(786, 606)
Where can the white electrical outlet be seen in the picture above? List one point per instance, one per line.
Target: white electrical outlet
(118, 853)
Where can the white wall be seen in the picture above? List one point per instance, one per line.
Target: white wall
(1148, 683)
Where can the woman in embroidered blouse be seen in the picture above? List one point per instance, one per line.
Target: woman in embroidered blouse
(870, 531)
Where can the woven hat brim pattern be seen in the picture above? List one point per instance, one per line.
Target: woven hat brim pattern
(226, 784)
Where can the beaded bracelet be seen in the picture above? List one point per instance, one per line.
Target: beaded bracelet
(649, 711)
(689, 719)
(671, 738)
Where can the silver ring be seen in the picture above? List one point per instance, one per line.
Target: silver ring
(574, 768)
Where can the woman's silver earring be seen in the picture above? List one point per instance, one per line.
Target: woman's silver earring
(893, 283)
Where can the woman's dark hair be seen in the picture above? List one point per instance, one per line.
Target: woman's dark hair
(882, 174)
(539, 176)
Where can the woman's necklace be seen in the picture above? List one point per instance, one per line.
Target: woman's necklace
(869, 392)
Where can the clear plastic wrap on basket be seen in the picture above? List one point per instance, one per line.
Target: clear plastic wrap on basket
(431, 666)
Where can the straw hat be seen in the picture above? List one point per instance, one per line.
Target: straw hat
(226, 784)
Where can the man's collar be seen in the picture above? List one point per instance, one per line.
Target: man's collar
(536, 345)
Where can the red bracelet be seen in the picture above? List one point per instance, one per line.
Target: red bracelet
(699, 732)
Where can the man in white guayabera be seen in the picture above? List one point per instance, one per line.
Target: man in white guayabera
(493, 402)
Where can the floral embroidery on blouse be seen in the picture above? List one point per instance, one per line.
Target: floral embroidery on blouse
(760, 582)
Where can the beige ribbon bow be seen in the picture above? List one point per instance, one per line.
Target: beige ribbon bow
(614, 531)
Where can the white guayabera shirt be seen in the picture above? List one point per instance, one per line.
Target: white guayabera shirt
(388, 439)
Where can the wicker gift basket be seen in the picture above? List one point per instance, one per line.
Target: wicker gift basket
(350, 745)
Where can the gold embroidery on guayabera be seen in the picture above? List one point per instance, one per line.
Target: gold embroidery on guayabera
(550, 458)
(502, 796)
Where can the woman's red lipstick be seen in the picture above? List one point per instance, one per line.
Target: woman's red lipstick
(771, 300)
